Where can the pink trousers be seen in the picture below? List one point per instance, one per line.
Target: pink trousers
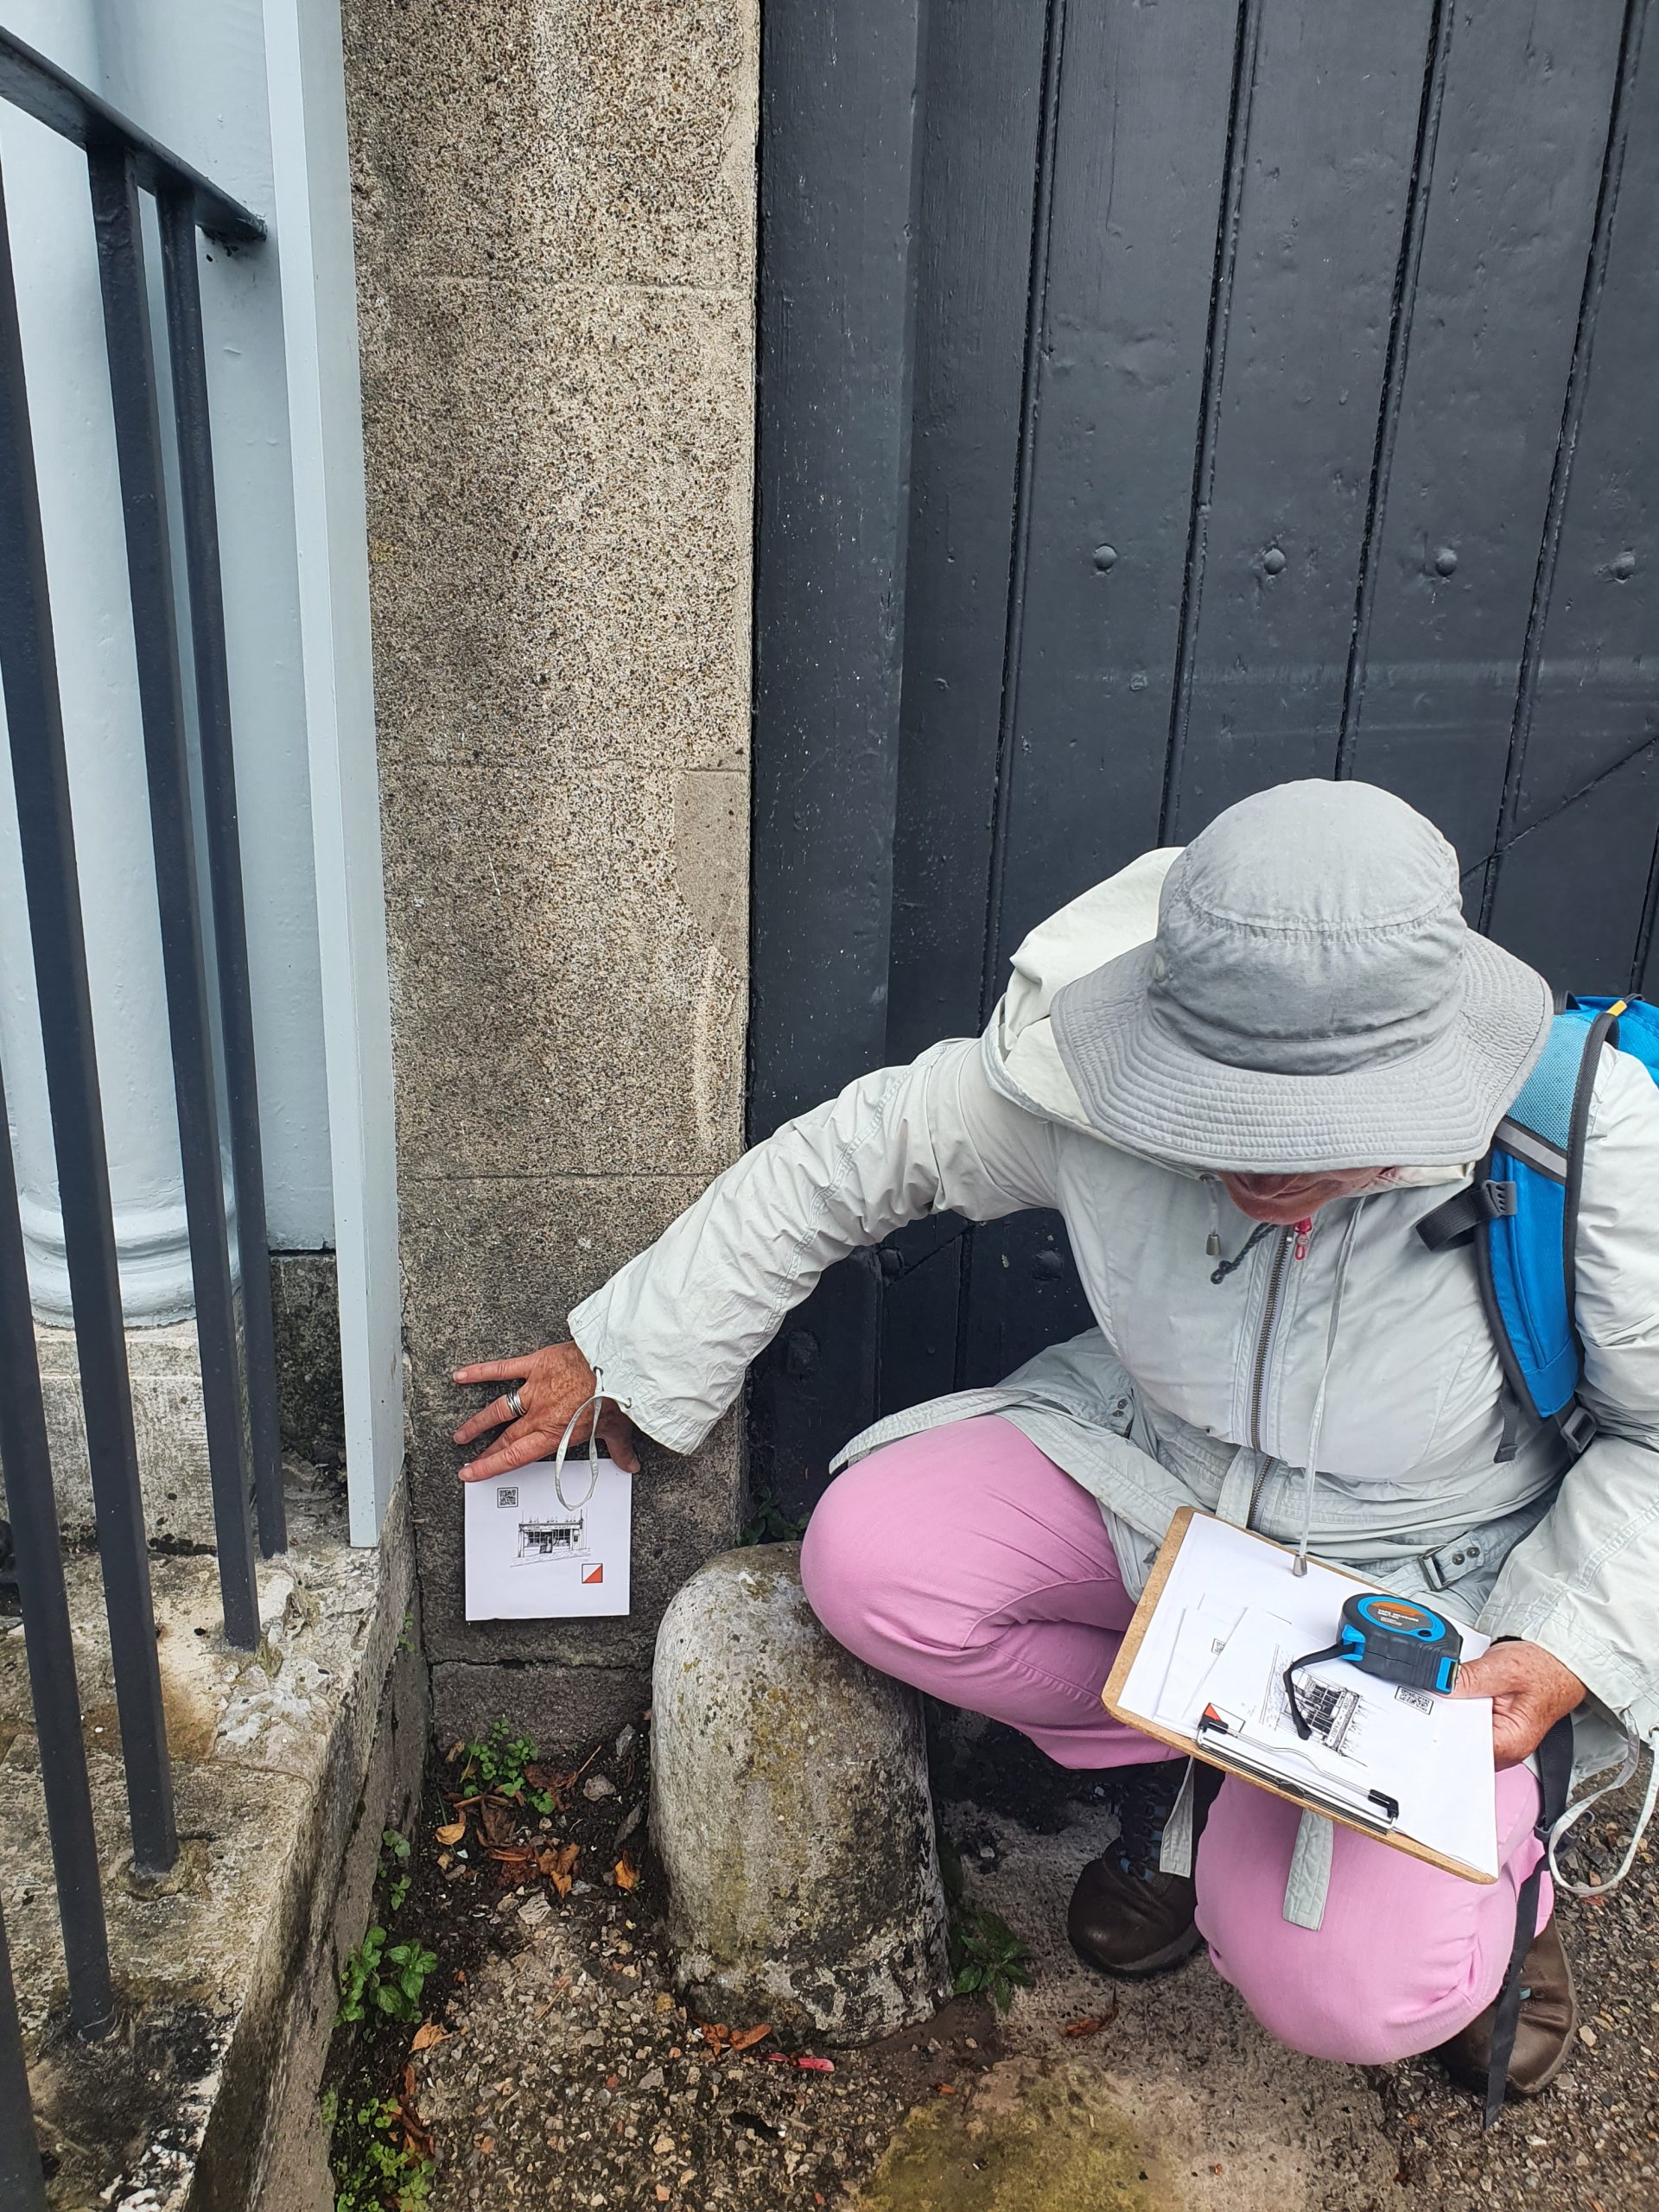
(965, 1562)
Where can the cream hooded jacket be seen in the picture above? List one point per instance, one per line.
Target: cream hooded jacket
(1194, 1391)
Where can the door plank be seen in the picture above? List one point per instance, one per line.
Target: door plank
(1597, 699)
(1509, 219)
(1333, 132)
(982, 133)
(1144, 103)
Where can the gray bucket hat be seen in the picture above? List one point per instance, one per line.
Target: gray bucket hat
(1313, 999)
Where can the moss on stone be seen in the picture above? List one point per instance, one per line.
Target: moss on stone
(1051, 2143)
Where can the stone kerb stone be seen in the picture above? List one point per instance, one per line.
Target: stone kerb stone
(790, 1806)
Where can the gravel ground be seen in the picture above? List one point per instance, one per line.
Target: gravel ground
(578, 2082)
(570, 2077)
(1591, 2142)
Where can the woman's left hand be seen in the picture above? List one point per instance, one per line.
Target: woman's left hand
(1529, 1689)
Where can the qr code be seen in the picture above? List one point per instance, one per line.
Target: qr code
(1421, 1699)
(508, 1496)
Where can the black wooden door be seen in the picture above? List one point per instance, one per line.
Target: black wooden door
(1160, 398)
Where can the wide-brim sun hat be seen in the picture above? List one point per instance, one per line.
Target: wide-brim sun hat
(1313, 1000)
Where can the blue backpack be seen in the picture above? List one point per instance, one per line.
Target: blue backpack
(1522, 1212)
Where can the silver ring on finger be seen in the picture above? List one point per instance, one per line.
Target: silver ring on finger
(515, 1404)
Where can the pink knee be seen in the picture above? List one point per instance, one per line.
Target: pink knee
(1405, 1956)
(842, 1581)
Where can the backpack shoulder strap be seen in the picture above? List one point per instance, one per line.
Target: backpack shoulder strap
(1521, 1209)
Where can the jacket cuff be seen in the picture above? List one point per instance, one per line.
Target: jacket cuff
(1568, 1630)
(623, 1383)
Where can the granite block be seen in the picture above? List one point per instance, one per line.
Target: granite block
(567, 965)
(596, 137)
(560, 519)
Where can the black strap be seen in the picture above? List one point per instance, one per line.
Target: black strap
(1456, 1220)
(1337, 1650)
(1453, 1222)
(1206, 1788)
(1509, 1406)
(1554, 1779)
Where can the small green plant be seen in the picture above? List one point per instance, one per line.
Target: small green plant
(398, 1888)
(406, 1641)
(768, 1523)
(384, 1977)
(373, 2170)
(987, 1955)
(498, 1764)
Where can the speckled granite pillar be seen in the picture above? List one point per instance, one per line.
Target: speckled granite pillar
(556, 256)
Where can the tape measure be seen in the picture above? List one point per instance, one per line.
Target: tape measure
(1396, 1639)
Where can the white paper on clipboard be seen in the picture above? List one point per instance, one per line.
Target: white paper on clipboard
(532, 1557)
(1232, 1615)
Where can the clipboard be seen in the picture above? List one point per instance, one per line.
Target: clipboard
(1214, 1748)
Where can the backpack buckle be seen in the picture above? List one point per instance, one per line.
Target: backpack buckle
(1577, 1426)
(1498, 1201)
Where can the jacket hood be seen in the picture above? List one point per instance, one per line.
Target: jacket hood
(1020, 1055)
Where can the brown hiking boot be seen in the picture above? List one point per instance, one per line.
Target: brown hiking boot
(1125, 1918)
(1543, 2037)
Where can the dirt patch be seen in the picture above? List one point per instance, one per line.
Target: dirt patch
(569, 2074)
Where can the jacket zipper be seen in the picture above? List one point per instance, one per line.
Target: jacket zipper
(1292, 1245)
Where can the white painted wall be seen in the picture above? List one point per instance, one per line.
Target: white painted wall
(252, 93)
(193, 72)
(314, 214)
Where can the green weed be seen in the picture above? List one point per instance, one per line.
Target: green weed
(768, 1523)
(373, 2170)
(498, 1765)
(987, 1955)
(397, 1887)
(384, 1977)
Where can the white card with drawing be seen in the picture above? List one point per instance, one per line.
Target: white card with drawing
(531, 1556)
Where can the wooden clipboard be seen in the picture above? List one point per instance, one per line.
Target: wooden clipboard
(1207, 1749)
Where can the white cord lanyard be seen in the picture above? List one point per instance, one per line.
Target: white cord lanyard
(597, 1402)
(1576, 1813)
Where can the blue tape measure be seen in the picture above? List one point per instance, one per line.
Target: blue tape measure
(1396, 1639)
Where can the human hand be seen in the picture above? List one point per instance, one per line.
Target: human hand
(1529, 1689)
(552, 1383)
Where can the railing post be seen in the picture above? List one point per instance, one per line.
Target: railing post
(23, 2184)
(40, 781)
(176, 211)
(37, 1544)
(138, 455)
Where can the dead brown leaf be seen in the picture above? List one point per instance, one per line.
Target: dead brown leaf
(495, 1821)
(749, 2038)
(513, 1866)
(451, 1832)
(416, 2136)
(426, 2034)
(559, 1864)
(626, 1873)
(1094, 2024)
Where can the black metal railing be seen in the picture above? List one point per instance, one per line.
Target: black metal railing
(238, 1362)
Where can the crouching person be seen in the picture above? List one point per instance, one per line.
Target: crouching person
(1246, 1076)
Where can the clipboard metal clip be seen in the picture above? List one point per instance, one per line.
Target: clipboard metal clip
(1376, 1808)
